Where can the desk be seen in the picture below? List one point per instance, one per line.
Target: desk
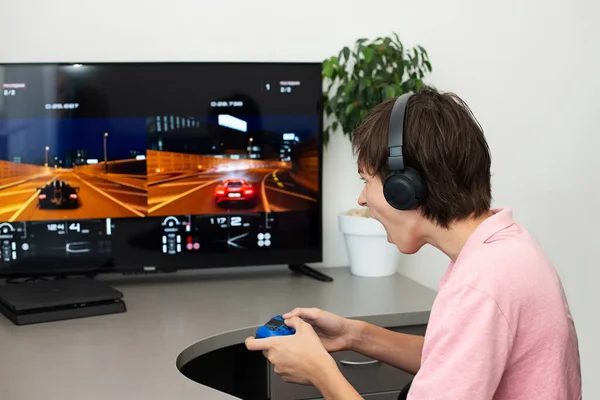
(171, 320)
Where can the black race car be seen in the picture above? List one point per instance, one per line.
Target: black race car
(58, 194)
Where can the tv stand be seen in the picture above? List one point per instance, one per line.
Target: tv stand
(37, 299)
(303, 269)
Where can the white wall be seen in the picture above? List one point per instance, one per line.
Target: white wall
(528, 69)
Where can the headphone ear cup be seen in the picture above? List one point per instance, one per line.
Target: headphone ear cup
(398, 191)
(405, 190)
(419, 185)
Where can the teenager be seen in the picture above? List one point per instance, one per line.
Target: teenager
(500, 327)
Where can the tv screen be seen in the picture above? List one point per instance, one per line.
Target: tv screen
(149, 167)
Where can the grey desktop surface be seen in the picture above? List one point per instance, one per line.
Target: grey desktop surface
(171, 320)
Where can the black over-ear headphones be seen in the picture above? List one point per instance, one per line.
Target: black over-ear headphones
(404, 188)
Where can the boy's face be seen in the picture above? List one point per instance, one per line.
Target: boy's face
(406, 229)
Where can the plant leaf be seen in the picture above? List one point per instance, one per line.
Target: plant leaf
(328, 68)
(349, 87)
(349, 108)
(390, 92)
(346, 52)
(369, 52)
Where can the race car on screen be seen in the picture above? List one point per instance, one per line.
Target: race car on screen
(58, 194)
(235, 191)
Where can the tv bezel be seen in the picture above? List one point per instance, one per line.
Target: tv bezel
(261, 258)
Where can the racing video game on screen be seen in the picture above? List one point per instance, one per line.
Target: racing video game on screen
(72, 168)
(89, 142)
(233, 159)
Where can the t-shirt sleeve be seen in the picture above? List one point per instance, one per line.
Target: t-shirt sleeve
(466, 347)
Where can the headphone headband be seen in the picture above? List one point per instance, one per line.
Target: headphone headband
(396, 133)
(404, 188)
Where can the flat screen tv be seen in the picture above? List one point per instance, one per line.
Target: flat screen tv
(158, 167)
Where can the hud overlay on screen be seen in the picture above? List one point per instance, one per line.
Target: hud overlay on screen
(90, 142)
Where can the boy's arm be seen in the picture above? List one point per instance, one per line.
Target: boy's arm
(400, 350)
(334, 386)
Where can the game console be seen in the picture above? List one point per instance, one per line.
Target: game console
(57, 300)
(275, 327)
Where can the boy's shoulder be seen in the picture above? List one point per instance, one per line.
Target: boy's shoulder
(502, 259)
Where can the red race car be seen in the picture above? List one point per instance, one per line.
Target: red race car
(235, 190)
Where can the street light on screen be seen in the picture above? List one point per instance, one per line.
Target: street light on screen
(105, 158)
(46, 162)
(250, 140)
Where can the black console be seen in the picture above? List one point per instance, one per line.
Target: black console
(32, 302)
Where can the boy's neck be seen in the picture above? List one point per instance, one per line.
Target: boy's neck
(452, 240)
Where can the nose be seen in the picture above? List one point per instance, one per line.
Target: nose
(362, 199)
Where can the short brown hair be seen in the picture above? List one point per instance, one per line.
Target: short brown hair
(443, 141)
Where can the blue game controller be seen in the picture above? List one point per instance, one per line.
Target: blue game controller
(275, 327)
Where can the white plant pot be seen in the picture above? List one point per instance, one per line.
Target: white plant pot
(369, 252)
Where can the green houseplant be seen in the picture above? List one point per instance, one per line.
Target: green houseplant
(355, 81)
(374, 70)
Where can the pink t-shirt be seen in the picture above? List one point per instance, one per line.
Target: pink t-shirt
(500, 327)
